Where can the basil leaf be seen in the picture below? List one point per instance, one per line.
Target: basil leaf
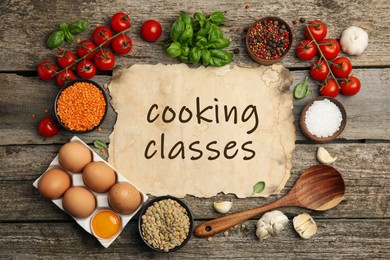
(217, 18)
(219, 58)
(218, 43)
(195, 55)
(186, 36)
(55, 39)
(204, 31)
(68, 36)
(201, 19)
(259, 187)
(177, 29)
(185, 18)
(301, 90)
(99, 144)
(78, 27)
(185, 50)
(184, 58)
(174, 50)
(200, 41)
(63, 26)
(214, 32)
(206, 57)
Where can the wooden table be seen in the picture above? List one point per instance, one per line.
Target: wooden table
(32, 227)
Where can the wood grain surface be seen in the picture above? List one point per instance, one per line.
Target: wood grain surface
(34, 228)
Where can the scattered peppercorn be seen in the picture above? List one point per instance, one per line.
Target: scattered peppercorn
(46, 111)
(295, 22)
(33, 115)
(302, 20)
(99, 129)
(269, 39)
(247, 7)
(236, 51)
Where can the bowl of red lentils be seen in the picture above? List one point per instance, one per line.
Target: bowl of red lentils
(268, 40)
(80, 106)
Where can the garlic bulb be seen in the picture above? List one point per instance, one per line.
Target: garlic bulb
(270, 224)
(223, 206)
(305, 226)
(324, 157)
(354, 40)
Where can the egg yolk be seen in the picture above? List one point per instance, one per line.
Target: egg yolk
(106, 224)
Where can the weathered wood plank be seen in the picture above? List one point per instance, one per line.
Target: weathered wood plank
(365, 168)
(336, 239)
(368, 112)
(29, 23)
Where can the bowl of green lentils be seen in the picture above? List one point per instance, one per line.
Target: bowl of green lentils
(165, 224)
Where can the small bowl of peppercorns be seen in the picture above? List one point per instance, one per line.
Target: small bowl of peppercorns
(268, 40)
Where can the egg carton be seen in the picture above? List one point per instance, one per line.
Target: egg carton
(101, 198)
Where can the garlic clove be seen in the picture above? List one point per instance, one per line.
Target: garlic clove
(223, 206)
(324, 157)
(305, 225)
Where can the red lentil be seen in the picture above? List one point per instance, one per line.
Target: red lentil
(81, 106)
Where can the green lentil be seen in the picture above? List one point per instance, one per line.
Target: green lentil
(165, 225)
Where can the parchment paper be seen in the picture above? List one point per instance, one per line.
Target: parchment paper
(134, 90)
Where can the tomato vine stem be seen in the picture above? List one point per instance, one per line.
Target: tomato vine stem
(323, 57)
(94, 49)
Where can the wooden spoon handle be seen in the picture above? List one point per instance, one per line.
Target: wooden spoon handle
(212, 227)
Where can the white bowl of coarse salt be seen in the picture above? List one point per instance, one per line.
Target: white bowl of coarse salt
(323, 119)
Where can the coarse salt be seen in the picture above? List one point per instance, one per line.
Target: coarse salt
(323, 118)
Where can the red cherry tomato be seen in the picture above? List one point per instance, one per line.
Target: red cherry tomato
(86, 69)
(104, 60)
(306, 50)
(319, 70)
(120, 22)
(46, 69)
(121, 44)
(330, 48)
(101, 34)
(350, 86)
(85, 47)
(151, 30)
(65, 58)
(317, 29)
(329, 88)
(64, 77)
(341, 67)
(47, 127)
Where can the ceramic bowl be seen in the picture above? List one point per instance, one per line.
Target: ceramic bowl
(67, 85)
(261, 60)
(150, 203)
(317, 139)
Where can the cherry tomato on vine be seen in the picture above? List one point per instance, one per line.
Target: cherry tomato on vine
(86, 69)
(121, 44)
(120, 22)
(329, 88)
(151, 30)
(85, 47)
(65, 58)
(317, 28)
(330, 48)
(64, 77)
(319, 70)
(104, 60)
(306, 50)
(101, 34)
(341, 67)
(350, 86)
(46, 69)
(47, 127)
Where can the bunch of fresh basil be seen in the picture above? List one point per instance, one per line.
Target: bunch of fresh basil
(199, 40)
(66, 33)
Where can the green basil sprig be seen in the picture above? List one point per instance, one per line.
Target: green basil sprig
(199, 40)
(66, 32)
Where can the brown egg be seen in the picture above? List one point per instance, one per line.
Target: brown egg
(98, 176)
(54, 183)
(74, 156)
(124, 198)
(79, 202)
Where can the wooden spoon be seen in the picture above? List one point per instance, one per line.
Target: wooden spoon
(320, 187)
